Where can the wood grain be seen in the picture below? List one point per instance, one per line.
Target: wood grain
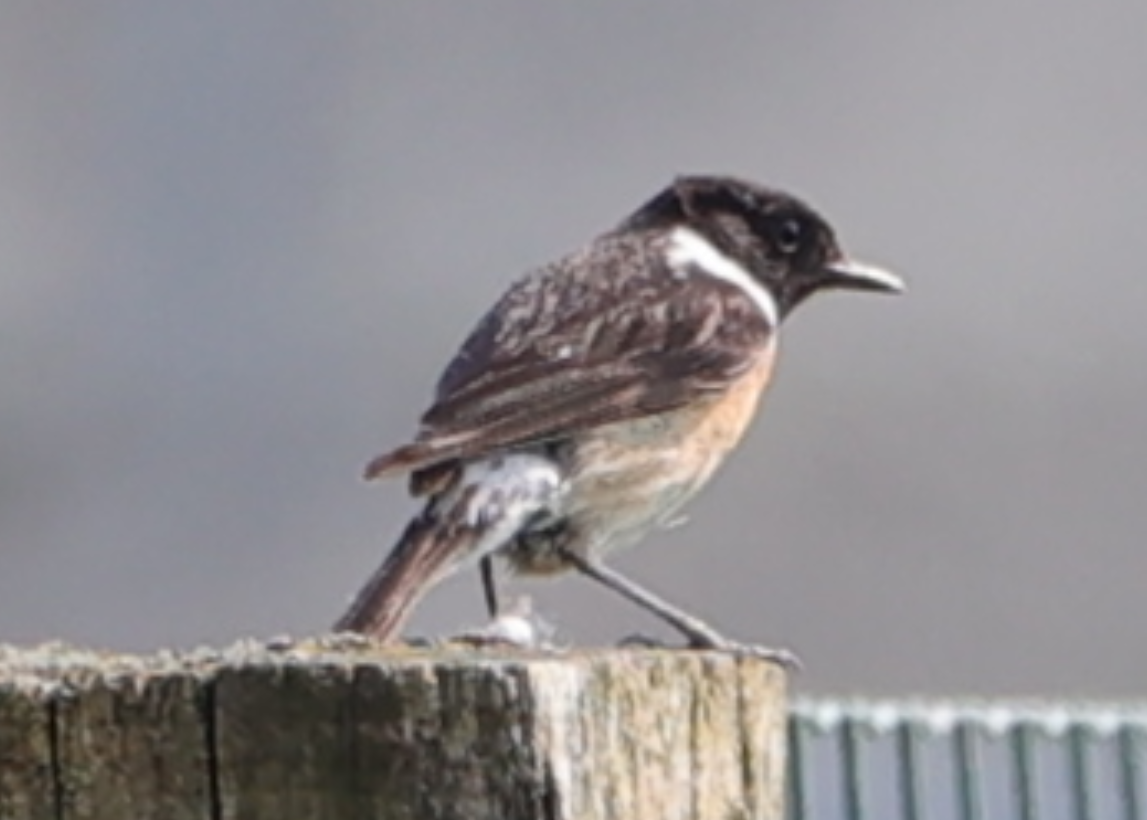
(338, 728)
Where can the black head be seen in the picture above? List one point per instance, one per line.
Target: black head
(783, 242)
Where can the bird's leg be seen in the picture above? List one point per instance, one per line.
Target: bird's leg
(514, 625)
(489, 586)
(699, 634)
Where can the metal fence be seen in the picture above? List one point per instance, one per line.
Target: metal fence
(933, 760)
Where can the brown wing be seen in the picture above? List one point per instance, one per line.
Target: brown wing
(606, 335)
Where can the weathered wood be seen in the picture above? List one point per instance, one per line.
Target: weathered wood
(335, 729)
(27, 788)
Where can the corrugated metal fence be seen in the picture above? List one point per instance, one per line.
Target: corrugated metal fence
(932, 760)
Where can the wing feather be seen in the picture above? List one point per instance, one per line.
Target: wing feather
(604, 336)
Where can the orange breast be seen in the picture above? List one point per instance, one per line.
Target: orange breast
(632, 477)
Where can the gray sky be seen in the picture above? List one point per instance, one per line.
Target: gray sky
(238, 242)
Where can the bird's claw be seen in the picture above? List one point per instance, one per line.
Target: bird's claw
(496, 635)
(784, 658)
(518, 626)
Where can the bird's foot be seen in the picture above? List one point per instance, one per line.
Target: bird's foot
(517, 626)
(782, 657)
(785, 658)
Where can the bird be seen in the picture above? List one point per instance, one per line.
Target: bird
(600, 394)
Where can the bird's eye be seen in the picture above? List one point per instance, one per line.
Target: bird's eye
(788, 235)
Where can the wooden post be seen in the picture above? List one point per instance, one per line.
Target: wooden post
(332, 729)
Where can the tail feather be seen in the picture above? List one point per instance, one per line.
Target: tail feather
(426, 552)
(471, 515)
(417, 455)
(404, 459)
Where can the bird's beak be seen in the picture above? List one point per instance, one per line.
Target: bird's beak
(853, 275)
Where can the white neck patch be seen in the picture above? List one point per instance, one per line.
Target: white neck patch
(688, 249)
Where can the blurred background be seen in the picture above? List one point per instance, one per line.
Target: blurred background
(239, 241)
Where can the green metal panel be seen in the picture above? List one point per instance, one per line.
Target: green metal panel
(967, 760)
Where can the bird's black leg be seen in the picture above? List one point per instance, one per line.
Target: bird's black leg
(699, 634)
(489, 585)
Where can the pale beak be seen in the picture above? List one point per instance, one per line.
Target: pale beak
(848, 273)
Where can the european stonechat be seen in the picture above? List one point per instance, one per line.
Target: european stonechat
(602, 392)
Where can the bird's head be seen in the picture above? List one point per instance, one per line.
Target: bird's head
(782, 242)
